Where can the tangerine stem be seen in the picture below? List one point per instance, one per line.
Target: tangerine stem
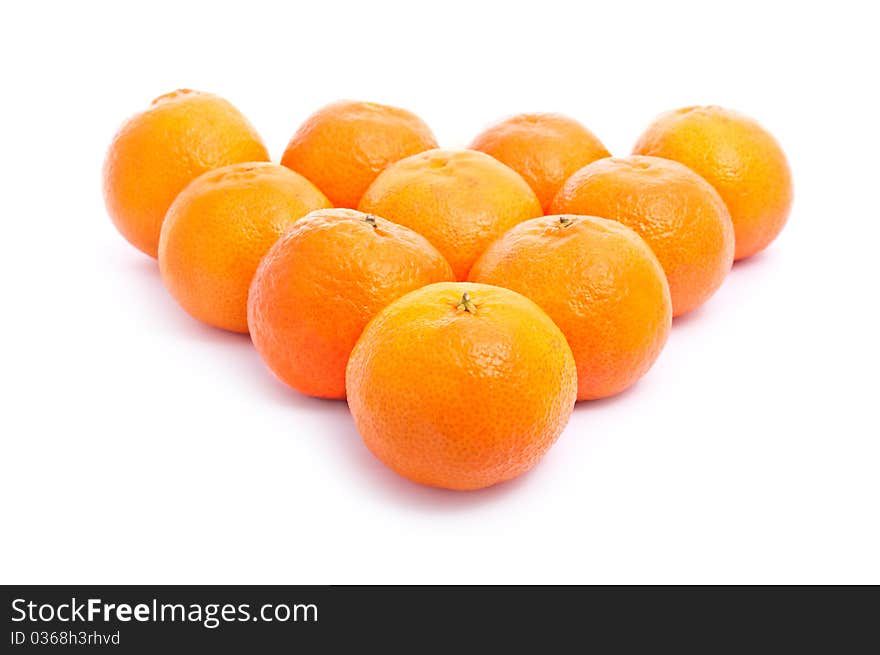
(370, 220)
(467, 304)
(566, 221)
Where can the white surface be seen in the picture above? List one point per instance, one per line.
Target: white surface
(138, 446)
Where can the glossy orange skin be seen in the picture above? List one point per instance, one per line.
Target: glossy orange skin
(217, 231)
(461, 398)
(321, 283)
(158, 152)
(343, 147)
(546, 149)
(599, 282)
(677, 212)
(460, 200)
(736, 156)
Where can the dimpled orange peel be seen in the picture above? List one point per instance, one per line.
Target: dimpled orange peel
(738, 157)
(460, 200)
(343, 147)
(461, 385)
(677, 212)
(320, 284)
(544, 148)
(157, 152)
(217, 231)
(599, 282)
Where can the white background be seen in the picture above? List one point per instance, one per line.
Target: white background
(141, 447)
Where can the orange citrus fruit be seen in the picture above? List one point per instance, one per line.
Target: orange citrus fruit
(677, 212)
(461, 200)
(343, 147)
(735, 155)
(158, 152)
(544, 148)
(461, 385)
(321, 283)
(219, 228)
(599, 282)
